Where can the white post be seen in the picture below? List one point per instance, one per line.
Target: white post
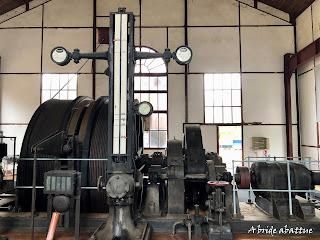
(289, 188)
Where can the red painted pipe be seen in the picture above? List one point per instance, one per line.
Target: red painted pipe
(53, 225)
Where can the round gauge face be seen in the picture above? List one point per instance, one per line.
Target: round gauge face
(145, 109)
(59, 55)
(183, 55)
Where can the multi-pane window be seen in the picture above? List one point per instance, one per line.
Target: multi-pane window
(150, 84)
(59, 86)
(222, 99)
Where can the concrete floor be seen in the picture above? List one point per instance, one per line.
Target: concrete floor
(250, 211)
(156, 236)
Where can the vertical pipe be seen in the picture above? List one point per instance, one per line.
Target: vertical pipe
(234, 191)
(77, 217)
(218, 139)
(94, 47)
(297, 93)
(41, 57)
(14, 159)
(186, 68)
(140, 24)
(34, 191)
(250, 188)
(240, 56)
(14, 182)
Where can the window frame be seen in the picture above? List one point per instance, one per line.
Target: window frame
(231, 106)
(42, 89)
(152, 74)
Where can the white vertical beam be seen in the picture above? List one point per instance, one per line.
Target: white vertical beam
(123, 91)
(116, 83)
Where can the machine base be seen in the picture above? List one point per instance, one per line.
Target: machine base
(142, 231)
(221, 233)
(252, 217)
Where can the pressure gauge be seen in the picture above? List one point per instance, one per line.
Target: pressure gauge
(60, 56)
(145, 109)
(183, 55)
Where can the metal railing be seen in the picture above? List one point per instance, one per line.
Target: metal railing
(306, 161)
(59, 160)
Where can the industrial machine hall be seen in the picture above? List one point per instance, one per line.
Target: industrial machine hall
(159, 119)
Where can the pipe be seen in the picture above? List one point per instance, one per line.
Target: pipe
(186, 68)
(33, 201)
(53, 225)
(175, 226)
(94, 48)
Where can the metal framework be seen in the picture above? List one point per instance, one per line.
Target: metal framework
(291, 63)
(288, 160)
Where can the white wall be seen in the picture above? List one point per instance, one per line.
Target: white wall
(244, 39)
(25, 44)
(308, 30)
(226, 36)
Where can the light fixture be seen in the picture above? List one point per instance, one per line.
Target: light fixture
(60, 56)
(145, 109)
(183, 55)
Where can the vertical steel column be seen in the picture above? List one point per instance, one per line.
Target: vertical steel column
(291, 63)
(288, 110)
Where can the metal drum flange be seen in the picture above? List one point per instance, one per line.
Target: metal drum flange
(243, 177)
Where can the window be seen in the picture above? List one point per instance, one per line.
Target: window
(59, 86)
(222, 99)
(150, 84)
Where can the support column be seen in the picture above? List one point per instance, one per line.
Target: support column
(288, 109)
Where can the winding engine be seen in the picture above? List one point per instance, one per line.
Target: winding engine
(187, 186)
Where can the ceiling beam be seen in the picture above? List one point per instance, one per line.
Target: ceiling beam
(293, 7)
(8, 5)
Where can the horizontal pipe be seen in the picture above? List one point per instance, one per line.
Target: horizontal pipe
(42, 187)
(64, 159)
(279, 190)
(273, 160)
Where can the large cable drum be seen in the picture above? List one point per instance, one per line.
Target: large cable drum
(51, 118)
(98, 149)
(83, 124)
(92, 139)
(265, 175)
